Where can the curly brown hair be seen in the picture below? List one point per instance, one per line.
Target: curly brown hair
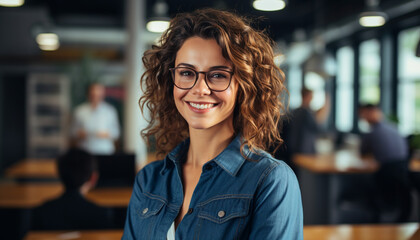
(258, 104)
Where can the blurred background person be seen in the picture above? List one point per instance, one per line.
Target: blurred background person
(78, 173)
(95, 125)
(304, 124)
(390, 149)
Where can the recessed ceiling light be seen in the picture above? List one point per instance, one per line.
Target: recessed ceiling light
(11, 3)
(157, 26)
(48, 41)
(372, 19)
(269, 5)
(372, 16)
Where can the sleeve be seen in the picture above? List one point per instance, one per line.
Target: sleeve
(277, 212)
(114, 129)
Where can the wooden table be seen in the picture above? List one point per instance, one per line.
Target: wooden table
(416, 235)
(29, 195)
(33, 168)
(44, 168)
(110, 197)
(342, 161)
(362, 232)
(79, 235)
(323, 178)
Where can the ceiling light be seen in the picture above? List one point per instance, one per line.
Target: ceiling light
(159, 21)
(269, 5)
(11, 3)
(372, 16)
(157, 26)
(48, 41)
(372, 19)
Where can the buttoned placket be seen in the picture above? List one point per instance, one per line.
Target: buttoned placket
(205, 176)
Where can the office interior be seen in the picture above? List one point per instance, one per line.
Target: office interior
(320, 45)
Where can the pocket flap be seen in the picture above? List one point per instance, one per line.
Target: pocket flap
(224, 208)
(149, 206)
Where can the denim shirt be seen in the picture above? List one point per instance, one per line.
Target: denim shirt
(235, 198)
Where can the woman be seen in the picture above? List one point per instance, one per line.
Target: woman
(213, 90)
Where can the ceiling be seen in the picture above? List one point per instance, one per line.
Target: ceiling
(108, 15)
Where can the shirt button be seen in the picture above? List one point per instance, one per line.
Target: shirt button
(145, 210)
(190, 211)
(221, 214)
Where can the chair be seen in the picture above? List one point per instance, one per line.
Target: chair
(393, 192)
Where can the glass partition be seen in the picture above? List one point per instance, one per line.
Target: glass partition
(408, 81)
(369, 74)
(344, 92)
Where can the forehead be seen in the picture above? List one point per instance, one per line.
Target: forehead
(201, 53)
(96, 88)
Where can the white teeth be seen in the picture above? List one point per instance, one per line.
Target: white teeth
(201, 106)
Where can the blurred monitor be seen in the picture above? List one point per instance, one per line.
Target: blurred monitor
(117, 170)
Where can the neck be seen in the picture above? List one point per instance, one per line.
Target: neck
(93, 105)
(207, 144)
(305, 105)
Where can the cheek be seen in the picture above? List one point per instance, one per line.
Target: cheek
(230, 94)
(178, 95)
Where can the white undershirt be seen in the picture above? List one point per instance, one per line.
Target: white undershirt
(171, 232)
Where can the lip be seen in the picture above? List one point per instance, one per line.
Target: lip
(196, 110)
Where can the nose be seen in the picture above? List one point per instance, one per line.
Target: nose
(200, 86)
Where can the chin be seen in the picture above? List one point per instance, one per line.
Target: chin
(200, 126)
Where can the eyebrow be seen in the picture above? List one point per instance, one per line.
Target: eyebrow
(211, 68)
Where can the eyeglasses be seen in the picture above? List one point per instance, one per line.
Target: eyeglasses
(216, 80)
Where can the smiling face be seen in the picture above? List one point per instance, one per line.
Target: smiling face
(199, 106)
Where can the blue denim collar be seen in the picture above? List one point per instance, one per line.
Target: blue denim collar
(230, 159)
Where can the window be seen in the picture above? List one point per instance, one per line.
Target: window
(344, 91)
(316, 83)
(369, 65)
(408, 81)
(294, 86)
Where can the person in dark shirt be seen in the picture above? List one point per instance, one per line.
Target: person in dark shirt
(390, 149)
(384, 141)
(304, 125)
(78, 172)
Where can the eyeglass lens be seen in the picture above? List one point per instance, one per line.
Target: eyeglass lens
(217, 80)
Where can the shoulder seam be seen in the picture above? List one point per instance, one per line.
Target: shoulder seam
(267, 171)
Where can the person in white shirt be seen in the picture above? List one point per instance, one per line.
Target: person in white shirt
(95, 125)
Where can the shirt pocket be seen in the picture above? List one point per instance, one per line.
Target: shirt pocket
(149, 207)
(148, 210)
(223, 216)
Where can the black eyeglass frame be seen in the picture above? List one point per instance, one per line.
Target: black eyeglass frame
(197, 73)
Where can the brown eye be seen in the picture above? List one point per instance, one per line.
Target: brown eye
(218, 75)
(186, 73)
